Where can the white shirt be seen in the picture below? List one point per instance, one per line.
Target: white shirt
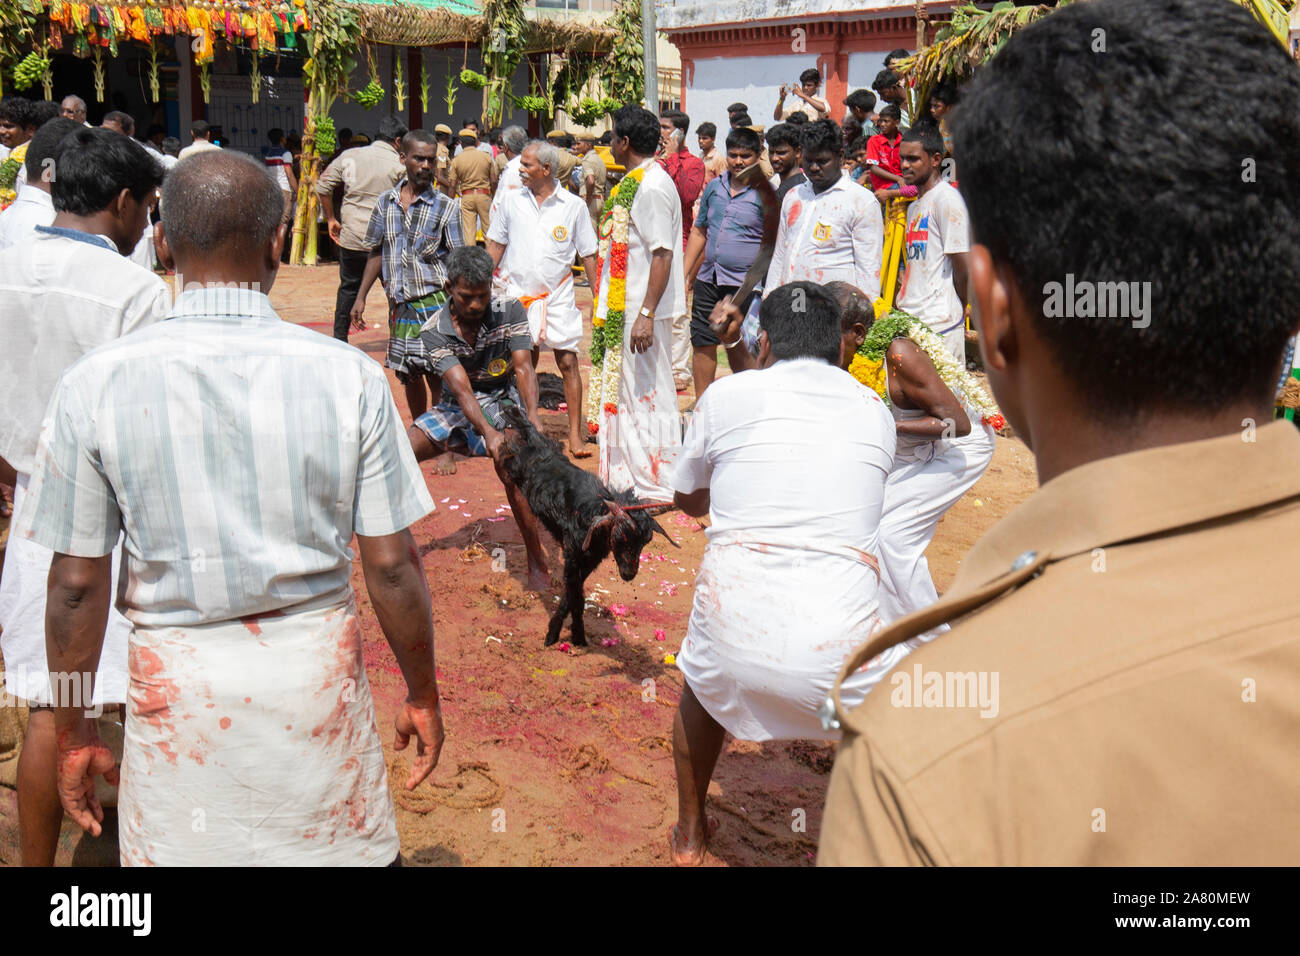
(507, 182)
(257, 445)
(540, 244)
(937, 228)
(61, 296)
(32, 208)
(656, 223)
(198, 146)
(801, 423)
(835, 235)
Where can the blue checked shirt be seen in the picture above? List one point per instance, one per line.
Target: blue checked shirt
(415, 241)
(238, 453)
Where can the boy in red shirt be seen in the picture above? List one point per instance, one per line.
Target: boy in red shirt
(882, 151)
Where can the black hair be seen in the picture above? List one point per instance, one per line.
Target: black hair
(898, 54)
(737, 108)
(418, 136)
(742, 137)
(391, 128)
(200, 128)
(640, 126)
(783, 134)
(42, 112)
(797, 118)
(810, 76)
(819, 135)
(855, 144)
(891, 111)
(884, 80)
(94, 165)
(219, 201)
(470, 265)
(606, 137)
(802, 320)
(851, 129)
(707, 129)
(45, 145)
(275, 135)
(678, 119)
(171, 146)
(125, 120)
(155, 128)
(946, 93)
(864, 100)
(1189, 85)
(928, 135)
(16, 110)
(741, 119)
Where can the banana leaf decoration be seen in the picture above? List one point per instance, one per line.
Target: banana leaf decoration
(255, 77)
(424, 85)
(98, 75)
(154, 84)
(399, 79)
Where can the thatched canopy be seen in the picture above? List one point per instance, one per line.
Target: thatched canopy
(451, 22)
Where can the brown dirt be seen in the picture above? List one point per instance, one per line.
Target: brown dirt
(558, 756)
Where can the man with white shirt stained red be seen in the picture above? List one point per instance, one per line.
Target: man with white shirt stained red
(831, 228)
(533, 238)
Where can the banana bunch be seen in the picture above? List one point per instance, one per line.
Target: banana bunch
(475, 81)
(325, 139)
(31, 68)
(370, 95)
(531, 104)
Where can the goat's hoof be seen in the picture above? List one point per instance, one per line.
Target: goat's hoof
(579, 640)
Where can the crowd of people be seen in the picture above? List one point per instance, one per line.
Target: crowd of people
(188, 471)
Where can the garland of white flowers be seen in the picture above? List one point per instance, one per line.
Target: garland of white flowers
(868, 365)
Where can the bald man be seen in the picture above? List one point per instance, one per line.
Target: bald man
(251, 626)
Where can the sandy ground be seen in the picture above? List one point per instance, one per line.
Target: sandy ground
(558, 756)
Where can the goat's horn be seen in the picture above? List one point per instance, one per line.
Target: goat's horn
(600, 522)
(658, 527)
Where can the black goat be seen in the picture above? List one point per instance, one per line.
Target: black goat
(585, 517)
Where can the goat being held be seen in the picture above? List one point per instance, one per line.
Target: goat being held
(585, 517)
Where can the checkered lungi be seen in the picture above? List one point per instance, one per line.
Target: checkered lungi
(406, 354)
(447, 421)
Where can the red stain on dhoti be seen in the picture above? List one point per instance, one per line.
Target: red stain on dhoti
(225, 723)
(151, 695)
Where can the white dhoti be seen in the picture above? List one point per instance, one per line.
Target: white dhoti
(253, 742)
(22, 619)
(770, 627)
(917, 494)
(553, 319)
(639, 445)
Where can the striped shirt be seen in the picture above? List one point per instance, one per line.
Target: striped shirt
(415, 240)
(489, 361)
(238, 453)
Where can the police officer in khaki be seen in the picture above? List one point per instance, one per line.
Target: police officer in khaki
(473, 178)
(563, 142)
(592, 188)
(442, 171)
(1121, 683)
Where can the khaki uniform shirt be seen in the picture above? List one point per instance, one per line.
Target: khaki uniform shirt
(565, 172)
(594, 166)
(444, 163)
(471, 169)
(1140, 616)
(365, 173)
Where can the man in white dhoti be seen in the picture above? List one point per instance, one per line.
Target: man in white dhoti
(239, 455)
(535, 234)
(510, 180)
(67, 289)
(642, 285)
(944, 447)
(790, 462)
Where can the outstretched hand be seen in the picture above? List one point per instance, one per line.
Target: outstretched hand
(78, 766)
(424, 722)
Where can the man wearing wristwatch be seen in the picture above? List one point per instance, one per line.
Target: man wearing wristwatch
(640, 441)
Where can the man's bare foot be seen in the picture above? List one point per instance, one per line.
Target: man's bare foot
(445, 464)
(578, 446)
(539, 579)
(689, 853)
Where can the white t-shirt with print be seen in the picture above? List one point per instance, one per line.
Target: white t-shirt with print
(937, 227)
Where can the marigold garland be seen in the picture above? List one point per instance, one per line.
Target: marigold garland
(607, 331)
(9, 170)
(868, 366)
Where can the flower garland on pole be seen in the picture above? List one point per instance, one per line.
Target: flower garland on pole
(607, 333)
(868, 365)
